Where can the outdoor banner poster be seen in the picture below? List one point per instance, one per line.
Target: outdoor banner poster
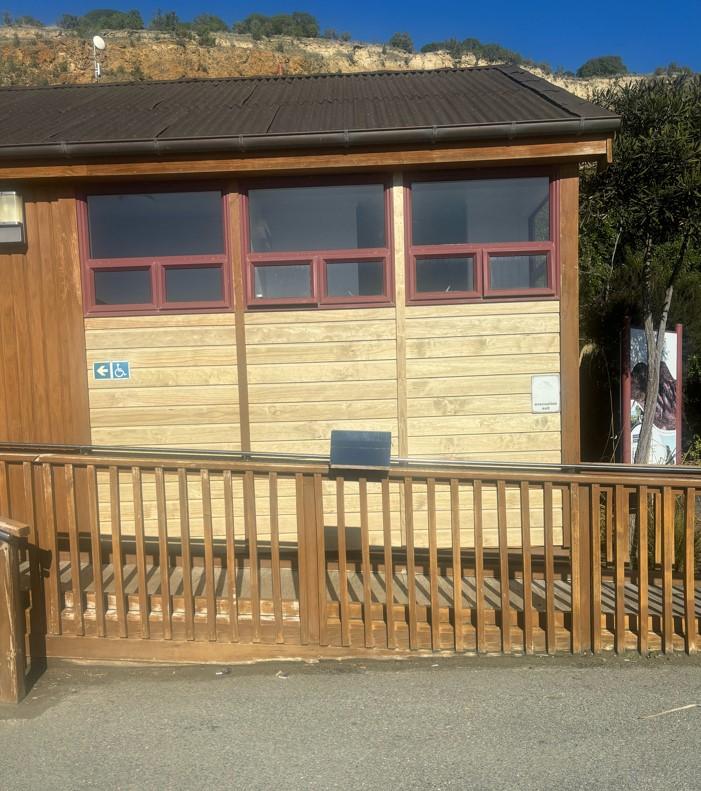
(667, 427)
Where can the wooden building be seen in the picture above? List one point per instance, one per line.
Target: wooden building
(277, 257)
(248, 264)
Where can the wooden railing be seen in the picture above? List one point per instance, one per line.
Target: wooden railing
(187, 556)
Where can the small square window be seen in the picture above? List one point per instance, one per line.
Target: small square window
(283, 281)
(445, 275)
(123, 286)
(355, 279)
(194, 284)
(518, 272)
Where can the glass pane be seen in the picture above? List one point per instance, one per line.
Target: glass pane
(122, 286)
(478, 211)
(283, 281)
(343, 217)
(445, 274)
(518, 271)
(194, 284)
(357, 279)
(155, 224)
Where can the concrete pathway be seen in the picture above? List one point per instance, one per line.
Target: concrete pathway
(425, 723)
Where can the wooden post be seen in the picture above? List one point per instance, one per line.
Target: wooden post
(12, 687)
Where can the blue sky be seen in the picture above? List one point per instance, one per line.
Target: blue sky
(646, 33)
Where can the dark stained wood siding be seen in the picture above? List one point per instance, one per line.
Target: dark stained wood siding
(43, 371)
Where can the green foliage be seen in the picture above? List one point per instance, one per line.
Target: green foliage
(672, 70)
(490, 53)
(402, 41)
(28, 21)
(603, 66)
(298, 24)
(651, 191)
(208, 23)
(168, 22)
(100, 19)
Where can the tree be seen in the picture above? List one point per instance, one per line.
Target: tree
(298, 25)
(402, 41)
(208, 23)
(168, 21)
(28, 21)
(641, 217)
(68, 22)
(603, 66)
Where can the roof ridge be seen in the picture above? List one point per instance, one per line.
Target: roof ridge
(253, 78)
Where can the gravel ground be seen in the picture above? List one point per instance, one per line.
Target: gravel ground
(429, 723)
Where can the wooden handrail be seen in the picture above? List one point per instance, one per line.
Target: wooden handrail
(13, 529)
(12, 660)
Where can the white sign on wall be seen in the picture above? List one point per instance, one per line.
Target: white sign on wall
(545, 393)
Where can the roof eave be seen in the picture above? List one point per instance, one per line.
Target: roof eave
(576, 127)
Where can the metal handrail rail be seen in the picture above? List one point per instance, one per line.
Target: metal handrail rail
(396, 463)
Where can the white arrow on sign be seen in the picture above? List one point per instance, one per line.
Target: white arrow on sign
(103, 370)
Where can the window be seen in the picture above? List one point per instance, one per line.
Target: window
(318, 245)
(480, 238)
(154, 251)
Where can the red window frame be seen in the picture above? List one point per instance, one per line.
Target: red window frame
(317, 259)
(156, 265)
(482, 252)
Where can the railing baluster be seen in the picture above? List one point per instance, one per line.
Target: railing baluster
(208, 539)
(667, 552)
(643, 590)
(658, 528)
(367, 568)
(595, 518)
(458, 636)
(550, 638)
(433, 564)
(275, 558)
(575, 545)
(505, 592)
(249, 510)
(389, 572)
(321, 561)
(527, 568)
(342, 562)
(304, 604)
(117, 558)
(608, 495)
(479, 566)
(163, 557)
(96, 550)
(140, 539)
(689, 569)
(621, 512)
(410, 560)
(4, 490)
(231, 556)
(186, 553)
(54, 586)
(74, 547)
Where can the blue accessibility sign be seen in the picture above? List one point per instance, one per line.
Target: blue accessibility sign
(111, 370)
(121, 370)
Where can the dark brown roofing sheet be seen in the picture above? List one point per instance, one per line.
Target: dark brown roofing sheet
(216, 108)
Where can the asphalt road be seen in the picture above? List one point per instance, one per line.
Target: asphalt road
(468, 723)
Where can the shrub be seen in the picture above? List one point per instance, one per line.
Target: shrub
(402, 41)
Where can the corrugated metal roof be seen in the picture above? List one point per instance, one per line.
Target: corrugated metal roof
(268, 107)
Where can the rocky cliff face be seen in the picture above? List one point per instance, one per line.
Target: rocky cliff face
(44, 56)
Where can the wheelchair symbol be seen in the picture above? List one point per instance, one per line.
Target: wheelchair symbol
(120, 370)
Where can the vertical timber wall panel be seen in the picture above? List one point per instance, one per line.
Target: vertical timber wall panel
(43, 384)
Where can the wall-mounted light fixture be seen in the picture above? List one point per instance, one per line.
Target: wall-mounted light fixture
(11, 219)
